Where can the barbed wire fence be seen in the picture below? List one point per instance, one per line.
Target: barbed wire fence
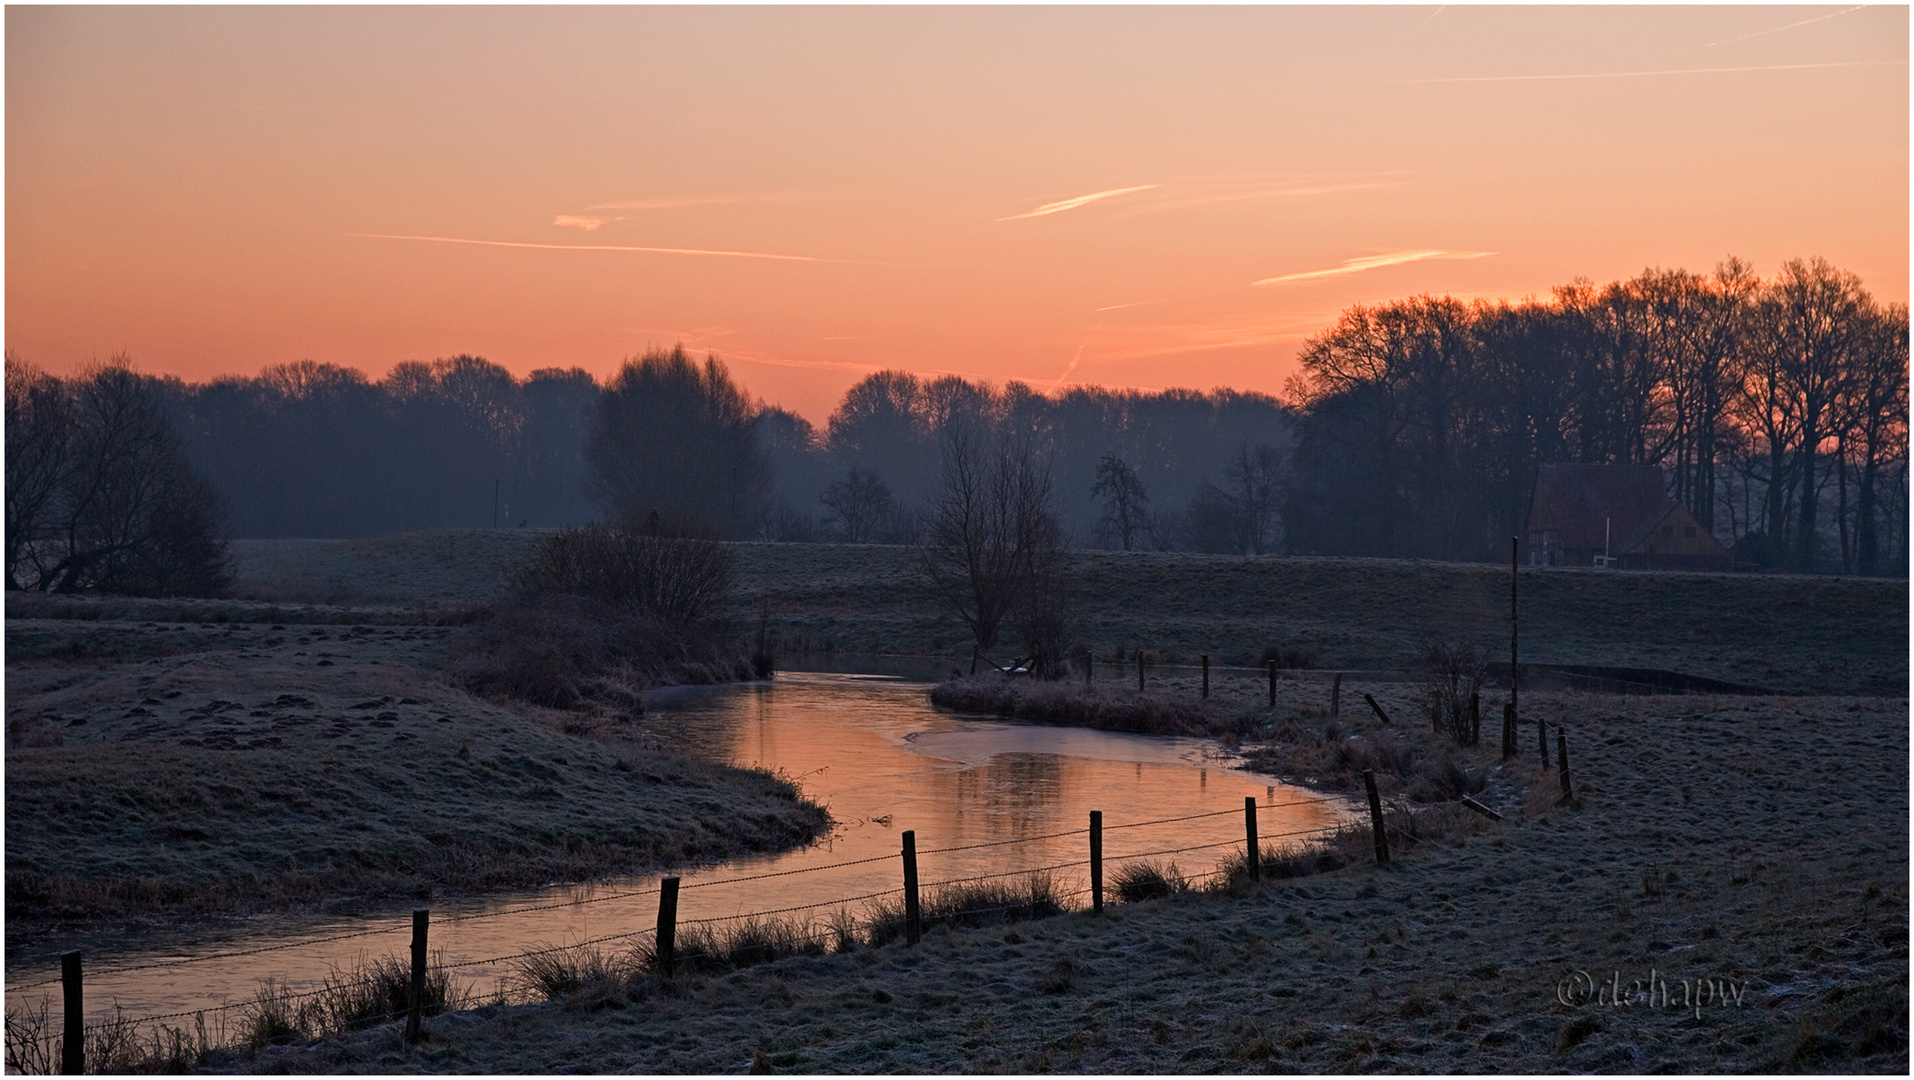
(32, 1045)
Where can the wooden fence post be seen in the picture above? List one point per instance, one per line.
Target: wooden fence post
(1096, 861)
(1561, 748)
(913, 928)
(73, 1050)
(1206, 676)
(1249, 828)
(1335, 696)
(1375, 708)
(1272, 684)
(1508, 730)
(415, 1009)
(668, 925)
(1375, 817)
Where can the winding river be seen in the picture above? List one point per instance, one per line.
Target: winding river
(871, 748)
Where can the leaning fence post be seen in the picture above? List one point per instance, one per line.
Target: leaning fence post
(73, 1052)
(1249, 828)
(415, 1011)
(668, 925)
(1206, 675)
(1375, 816)
(1561, 748)
(1096, 861)
(1272, 684)
(1375, 708)
(912, 914)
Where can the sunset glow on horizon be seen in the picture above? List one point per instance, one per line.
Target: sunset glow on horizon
(1131, 196)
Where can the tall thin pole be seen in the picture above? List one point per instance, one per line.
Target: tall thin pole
(1515, 544)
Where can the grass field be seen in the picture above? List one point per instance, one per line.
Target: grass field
(160, 770)
(172, 758)
(1788, 633)
(1758, 845)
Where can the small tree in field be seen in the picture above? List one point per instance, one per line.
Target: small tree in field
(859, 502)
(1452, 677)
(994, 542)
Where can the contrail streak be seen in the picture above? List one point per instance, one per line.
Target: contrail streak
(1372, 262)
(1778, 29)
(593, 247)
(1640, 74)
(1061, 205)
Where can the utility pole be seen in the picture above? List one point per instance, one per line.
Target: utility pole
(1515, 545)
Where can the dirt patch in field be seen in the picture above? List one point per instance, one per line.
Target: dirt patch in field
(1756, 845)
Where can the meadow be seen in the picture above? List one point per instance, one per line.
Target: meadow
(1788, 633)
(1761, 841)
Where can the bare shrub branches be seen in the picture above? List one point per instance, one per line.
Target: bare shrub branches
(1452, 678)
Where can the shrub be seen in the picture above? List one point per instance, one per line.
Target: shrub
(1146, 879)
(670, 570)
(1452, 680)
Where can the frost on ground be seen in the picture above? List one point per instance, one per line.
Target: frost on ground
(1754, 843)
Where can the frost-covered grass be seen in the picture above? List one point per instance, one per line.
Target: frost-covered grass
(1757, 841)
(164, 770)
(1784, 632)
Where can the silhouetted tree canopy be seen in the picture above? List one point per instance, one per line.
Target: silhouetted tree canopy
(676, 437)
(99, 495)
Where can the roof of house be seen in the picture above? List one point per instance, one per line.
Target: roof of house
(1593, 506)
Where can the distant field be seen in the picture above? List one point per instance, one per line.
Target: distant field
(1788, 633)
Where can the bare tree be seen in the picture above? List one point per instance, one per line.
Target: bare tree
(1255, 476)
(994, 540)
(677, 571)
(860, 502)
(39, 418)
(1126, 504)
(102, 498)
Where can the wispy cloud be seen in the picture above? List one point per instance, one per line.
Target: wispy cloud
(1298, 192)
(1061, 205)
(1641, 74)
(578, 221)
(1371, 262)
(682, 201)
(595, 247)
(1789, 26)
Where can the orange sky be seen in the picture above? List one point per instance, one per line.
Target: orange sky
(1127, 196)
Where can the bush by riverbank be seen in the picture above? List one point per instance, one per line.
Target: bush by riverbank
(1075, 705)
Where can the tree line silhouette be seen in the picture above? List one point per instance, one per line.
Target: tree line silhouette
(1777, 409)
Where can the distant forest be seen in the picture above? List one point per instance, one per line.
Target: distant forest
(1777, 409)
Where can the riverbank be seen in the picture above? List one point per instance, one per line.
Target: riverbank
(1757, 846)
(162, 770)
